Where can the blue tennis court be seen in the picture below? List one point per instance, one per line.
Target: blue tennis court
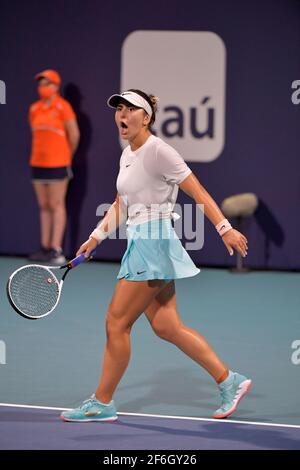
(29, 428)
(164, 400)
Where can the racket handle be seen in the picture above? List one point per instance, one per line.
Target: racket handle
(80, 259)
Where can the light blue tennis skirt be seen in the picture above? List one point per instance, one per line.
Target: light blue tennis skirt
(155, 252)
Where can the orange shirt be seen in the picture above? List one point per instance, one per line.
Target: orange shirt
(50, 146)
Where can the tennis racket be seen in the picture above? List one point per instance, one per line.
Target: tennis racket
(34, 290)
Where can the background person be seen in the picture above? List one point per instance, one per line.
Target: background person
(55, 137)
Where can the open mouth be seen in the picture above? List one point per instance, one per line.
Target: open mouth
(123, 125)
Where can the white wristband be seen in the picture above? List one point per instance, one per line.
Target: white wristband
(223, 227)
(99, 235)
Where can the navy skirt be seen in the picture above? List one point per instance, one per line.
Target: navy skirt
(50, 175)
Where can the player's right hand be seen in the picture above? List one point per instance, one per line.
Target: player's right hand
(87, 247)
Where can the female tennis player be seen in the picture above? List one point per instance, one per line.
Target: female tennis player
(150, 173)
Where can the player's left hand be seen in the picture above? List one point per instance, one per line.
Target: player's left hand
(234, 239)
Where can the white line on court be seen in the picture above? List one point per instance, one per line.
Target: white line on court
(146, 415)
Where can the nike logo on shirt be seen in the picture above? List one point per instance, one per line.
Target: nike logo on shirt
(140, 272)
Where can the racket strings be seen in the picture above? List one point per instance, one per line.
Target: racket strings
(34, 290)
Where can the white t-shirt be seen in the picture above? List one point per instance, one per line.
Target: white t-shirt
(148, 180)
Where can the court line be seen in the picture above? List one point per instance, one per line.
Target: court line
(146, 415)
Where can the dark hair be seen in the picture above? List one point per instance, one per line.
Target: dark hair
(151, 99)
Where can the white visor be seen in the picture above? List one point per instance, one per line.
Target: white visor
(132, 98)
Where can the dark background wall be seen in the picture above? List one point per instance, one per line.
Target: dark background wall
(82, 40)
